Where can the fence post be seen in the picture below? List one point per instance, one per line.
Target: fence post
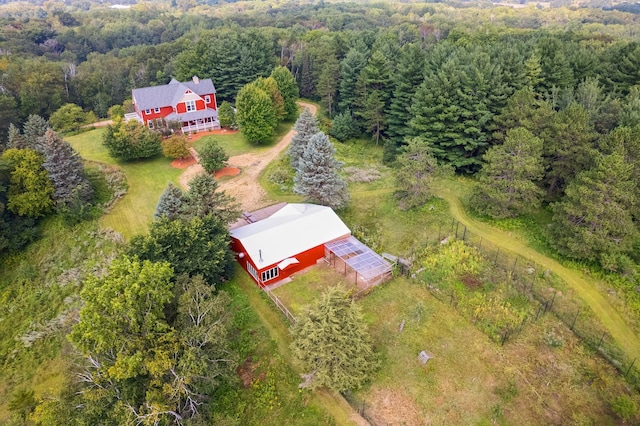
(553, 300)
(601, 339)
(575, 319)
(480, 245)
(452, 222)
(505, 336)
(457, 225)
(513, 270)
(522, 324)
(439, 234)
(495, 261)
(629, 369)
(451, 301)
(464, 234)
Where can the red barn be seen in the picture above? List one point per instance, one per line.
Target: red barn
(192, 103)
(285, 242)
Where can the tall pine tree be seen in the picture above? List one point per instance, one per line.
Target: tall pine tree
(506, 185)
(170, 203)
(350, 68)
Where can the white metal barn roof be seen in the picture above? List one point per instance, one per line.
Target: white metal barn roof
(291, 230)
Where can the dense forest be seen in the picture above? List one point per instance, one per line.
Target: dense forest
(539, 105)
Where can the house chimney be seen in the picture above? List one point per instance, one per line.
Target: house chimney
(196, 80)
(260, 252)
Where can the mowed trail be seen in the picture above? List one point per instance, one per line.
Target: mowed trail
(615, 324)
(245, 187)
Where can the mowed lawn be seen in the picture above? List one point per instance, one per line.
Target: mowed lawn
(146, 178)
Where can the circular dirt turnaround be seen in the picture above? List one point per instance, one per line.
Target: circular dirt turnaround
(245, 187)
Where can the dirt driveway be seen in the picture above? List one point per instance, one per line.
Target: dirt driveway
(245, 187)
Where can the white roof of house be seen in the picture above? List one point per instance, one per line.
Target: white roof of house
(291, 230)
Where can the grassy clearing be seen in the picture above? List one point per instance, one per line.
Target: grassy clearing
(274, 327)
(618, 328)
(39, 292)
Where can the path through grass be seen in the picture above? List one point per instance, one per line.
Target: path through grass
(604, 311)
(275, 324)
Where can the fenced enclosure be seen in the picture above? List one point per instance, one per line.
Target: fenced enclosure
(544, 291)
(357, 262)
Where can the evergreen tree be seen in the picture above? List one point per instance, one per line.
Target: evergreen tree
(594, 220)
(15, 139)
(66, 171)
(227, 115)
(351, 65)
(317, 174)
(506, 184)
(256, 116)
(204, 198)
(288, 89)
(170, 203)
(343, 126)
(212, 156)
(374, 87)
(569, 144)
(556, 70)
(409, 75)
(306, 126)
(453, 109)
(327, 86)
(418, 169)
(33, 129)
(524, 109)
(332, 341)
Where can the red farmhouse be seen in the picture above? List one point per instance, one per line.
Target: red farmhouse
(192, 103)
(285, 242)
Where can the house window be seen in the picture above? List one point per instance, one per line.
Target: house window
(191, 106)
(270, 274)
(147, 111)
(156, 110)
(252, 271)
(150, 124)
(207, 99)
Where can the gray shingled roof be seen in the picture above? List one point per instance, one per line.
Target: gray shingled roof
(169, 94)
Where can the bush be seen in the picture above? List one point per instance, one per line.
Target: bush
(130, 141)
(212, 156)
(175, 147)
(227, 115)
(624, 407)
(343, 127)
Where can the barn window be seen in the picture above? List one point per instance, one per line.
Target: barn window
(191, 106)
(252, 271)
(270, 274)
(207, 99)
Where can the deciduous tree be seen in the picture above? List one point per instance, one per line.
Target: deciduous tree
(256, 116)
(30, 191)
(288, 88)
(130, 141)
(227, 115)
(197, 246)
(175, 147)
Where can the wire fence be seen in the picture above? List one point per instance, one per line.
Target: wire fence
(546, 293)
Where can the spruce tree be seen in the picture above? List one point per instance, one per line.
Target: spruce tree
(170, 202)
(317, 174)
(332, 341)
(33, 130)
(506, 186)
(594, 220)
(15, 139)
(66, 171)
(204, 198)
(306, 126)
(343, 126)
